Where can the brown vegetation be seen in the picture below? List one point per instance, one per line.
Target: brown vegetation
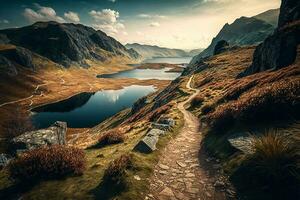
(48, 162)
(111, 137)
(274, 165)
(116, 172)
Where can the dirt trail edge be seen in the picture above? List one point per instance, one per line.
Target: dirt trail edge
(182, 171)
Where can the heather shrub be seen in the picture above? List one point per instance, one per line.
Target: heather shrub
(111, 137)
(48, 162)
(197, 101)
(116, 172)
(275, 164)
(280, 100)
(207, 108)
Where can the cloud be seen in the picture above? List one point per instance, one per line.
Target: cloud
(148, 16)
(4, 21)
(107, 20)
(72, 17)
(112, 1)
(154, 24)
(42, 14)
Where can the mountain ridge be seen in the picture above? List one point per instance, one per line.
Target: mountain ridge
(66, 43)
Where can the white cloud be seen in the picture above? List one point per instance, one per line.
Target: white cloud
(148, 16)
(42, 14)
(107, 20)
(112, 1)
(154, 24)
(72, 17)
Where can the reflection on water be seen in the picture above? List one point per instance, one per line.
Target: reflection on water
(170, 60)
(89, 109)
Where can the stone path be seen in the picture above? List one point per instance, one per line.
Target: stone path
(181, 173)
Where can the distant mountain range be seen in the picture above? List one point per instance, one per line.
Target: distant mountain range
(244, 31)
(149, 51)
(65, 44)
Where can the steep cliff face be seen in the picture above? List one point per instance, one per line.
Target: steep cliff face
(280, 49)
(67, 44)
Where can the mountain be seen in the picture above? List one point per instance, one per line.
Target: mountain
(244, 31)
(270, 16)
(195, 52)
(66, 44)
(148, 51)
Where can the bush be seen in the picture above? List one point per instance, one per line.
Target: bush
(48, 162)
(197, 101)
(275, 164)
(116, 172)
(111, 137)
(206, 109)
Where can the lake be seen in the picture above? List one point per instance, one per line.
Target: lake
(89, 109)
(170, 60)
(144, 74)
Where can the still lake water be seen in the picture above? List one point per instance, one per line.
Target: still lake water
(170, 60)
(146, 74)
(89, 109)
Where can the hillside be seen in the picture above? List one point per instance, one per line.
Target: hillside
(66, 44)
(270, 16)
(243, 31)
(148, 51)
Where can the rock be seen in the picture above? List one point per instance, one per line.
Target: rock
(279, 49)
(242, 142)
(221, 47)
(165, 167)
(289, 12)
(148, 143)
(7, 67)
(4, 160)
(219, 184)
(190, 175)
(56, 134)
(163, 127)
(167, 121)
(181, 164)
(167, 192)
(136, 177)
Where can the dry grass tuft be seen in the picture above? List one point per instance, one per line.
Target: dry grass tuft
(116, 172)
(274, 164)
(47, 163)
(111, 137)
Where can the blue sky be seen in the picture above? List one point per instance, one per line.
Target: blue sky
(185, 24)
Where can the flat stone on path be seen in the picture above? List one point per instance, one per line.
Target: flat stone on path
(167, 192)
(181, 164)
(165, 167)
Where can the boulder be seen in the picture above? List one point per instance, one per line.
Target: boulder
(56, 134)
(148, 143)
(167, 121)
(242, 142)
(4, 160)
(163, 127)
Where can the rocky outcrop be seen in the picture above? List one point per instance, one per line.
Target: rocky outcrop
(139, 104)
(19, 56)
(56, 134)
(242, 142)
(280, 49)
(221, 47)
(289, 12)
(148, 143)
(7, 67)
(67, 44)
(4, 160)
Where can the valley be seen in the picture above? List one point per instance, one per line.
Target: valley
(84, 116)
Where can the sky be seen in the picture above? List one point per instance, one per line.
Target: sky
(183, 24)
